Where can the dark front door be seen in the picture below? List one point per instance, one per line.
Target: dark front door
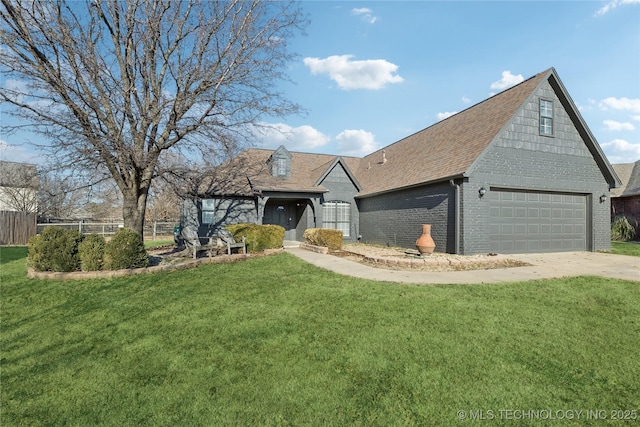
(283, 214)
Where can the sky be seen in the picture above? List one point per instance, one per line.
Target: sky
(370, 73)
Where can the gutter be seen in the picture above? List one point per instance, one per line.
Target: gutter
(457, 215)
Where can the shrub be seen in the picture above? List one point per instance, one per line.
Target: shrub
(328, 237)
(125, 250)
(258, 237)
(622, 229)
(55, 249)
(91, 251)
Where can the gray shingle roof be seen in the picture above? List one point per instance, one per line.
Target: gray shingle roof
(18, 175)
(629, 174)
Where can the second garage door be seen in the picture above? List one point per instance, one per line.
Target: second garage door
(530, 222)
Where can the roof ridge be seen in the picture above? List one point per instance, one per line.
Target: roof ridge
(463, 111)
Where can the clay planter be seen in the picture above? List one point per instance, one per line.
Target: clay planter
(425, 243)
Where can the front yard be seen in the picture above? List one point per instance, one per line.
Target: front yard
(275, 341)
(625, 248)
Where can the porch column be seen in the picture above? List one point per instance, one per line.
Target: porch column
(316, 212)
(261, 202)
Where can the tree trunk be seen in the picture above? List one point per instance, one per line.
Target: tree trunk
(133, 210)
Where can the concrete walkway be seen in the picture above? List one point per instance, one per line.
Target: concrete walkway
(543, 266)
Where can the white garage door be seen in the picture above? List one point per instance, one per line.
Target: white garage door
(530, 222)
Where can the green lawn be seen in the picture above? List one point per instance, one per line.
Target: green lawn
(275, 341)
(625, 248)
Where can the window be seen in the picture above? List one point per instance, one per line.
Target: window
(281, 167)
(546, 117)
(337, 215)
(208, 211)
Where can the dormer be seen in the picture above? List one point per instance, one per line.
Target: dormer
(280, 163)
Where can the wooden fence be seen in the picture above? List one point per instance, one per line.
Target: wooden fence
(17, 227)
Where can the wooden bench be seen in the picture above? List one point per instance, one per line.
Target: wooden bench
(227, 240)
(224, 240)
(191, 240)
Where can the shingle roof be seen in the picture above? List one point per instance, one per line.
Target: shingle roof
(446, 149)
(19, 175)
(629, 174)
(306, 169)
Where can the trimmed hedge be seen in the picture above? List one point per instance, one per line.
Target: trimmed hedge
(258, 237)
(55, 249)
(328, 237)
(91, 251)
(125, 250)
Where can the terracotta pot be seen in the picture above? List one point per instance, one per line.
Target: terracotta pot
(425, 243)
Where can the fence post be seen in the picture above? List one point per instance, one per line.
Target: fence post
(154, 229)
(80, 226)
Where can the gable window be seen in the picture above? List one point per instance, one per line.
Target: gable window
(208, 211)
(281, 166)
(546, 117)
(337, 215)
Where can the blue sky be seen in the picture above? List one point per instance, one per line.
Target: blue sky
(373, 72)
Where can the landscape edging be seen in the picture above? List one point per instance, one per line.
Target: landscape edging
(106, 274)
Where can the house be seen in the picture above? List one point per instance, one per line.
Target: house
(625, 200)
(18, 187)
(517, 172)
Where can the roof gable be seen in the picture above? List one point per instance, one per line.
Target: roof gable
(339, 161)
(446, 149)
(629, 174)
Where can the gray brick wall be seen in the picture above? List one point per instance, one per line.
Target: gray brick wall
(396, 219)
(227, 211)
(341, 188)
(520, 158)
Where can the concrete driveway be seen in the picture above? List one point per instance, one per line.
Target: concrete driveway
(542, 266)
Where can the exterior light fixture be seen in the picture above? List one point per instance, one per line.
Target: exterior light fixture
(603, 198)
(482, 191)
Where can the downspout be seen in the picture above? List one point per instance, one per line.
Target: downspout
(457, 215)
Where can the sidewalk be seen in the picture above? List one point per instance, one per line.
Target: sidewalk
(543, 266)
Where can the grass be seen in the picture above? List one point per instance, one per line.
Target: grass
(275, 341)
(625, 248)
(155, 243)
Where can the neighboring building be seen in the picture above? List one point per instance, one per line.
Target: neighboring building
(18, 187)
(518, 172)
(625, 200)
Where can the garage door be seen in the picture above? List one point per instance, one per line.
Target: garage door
(529, 222)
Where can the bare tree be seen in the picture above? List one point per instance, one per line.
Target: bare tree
(59, 196)
(164, 203)
(113, 85)
(18, 187)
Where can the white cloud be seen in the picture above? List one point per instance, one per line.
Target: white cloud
(357, 143)
(444, 115)
(627, 104)
(466, 100)
(17, 153)
(613, 4)
(365, 13)
(636, 118)
(507, 81)
(16, 88)
(613, 125)
(294, 138)
(348, 74)
(621, 151)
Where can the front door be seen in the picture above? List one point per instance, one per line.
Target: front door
(283, 214)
